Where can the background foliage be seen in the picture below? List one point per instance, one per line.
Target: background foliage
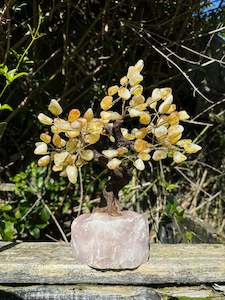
(73, 50)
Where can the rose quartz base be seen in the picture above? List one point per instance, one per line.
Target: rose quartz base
(111, 242)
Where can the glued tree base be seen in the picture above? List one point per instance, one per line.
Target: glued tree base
(111, 242)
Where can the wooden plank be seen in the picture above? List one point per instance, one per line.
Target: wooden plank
(72, 292)
(3, 244)
(53, 263)
(189, 292)
(105, 292)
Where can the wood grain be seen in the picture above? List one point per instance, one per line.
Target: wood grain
(81, 292)
(104, 292)
(53, 263)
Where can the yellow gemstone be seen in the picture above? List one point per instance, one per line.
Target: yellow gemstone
(60, 157)
(127, 135)
(168, 99)
(87, 154)
(46, 138)
(156, 95)
(192, 148)
(139, 65)
(164, 107)
(178, 157)
(151, 102)
(171, 109)
(164, 92)
(110, 115)
(134, 76)
(140, 145)
(136, 90)
(112, 90)
(162, 120)
(74, 114)
(124, 80)
(83, 123)
(159, 155)
(112, 139)
(136, 100)
(63, 143)
(54, 129)
(110, 153)
(140, 133)
(160, 131)
(95, 126)
(144, 156)
(63, 174)
(76, 124)
(41, 148)
(73, 133)
(175, 133)
(124, 93)
(114, 163)
(173, 118)
(145, 118)
(89, 115)
(133, 112)
(183, 115)
(61, 124)
(44, 161)
(72, 173)
(45, 119)
(184, 142)
(80, 162)
(121, 151)
(106, 102)
(92, 138)
(175, 130)
(139, 164)
(71, 146)
(173, 139)
(56, 140)
(57, 168)
(55, 108)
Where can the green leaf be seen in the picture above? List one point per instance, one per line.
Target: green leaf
(5, 106)
(9, 231)
(3, 70)
(17, 214)
(5, 207)
(41, 226)
(2, 128)
(44, 214)
(189, 236)
(11, 75)
(35, 232)
(19, 75)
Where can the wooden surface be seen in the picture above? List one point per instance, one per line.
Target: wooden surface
(53, 263)
(102, 292)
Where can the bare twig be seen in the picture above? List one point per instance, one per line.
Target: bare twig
(174, 64)
(81, 192)
(207, 165)
(207, 201)
(55, 221)
(191, 182)
(208, 108)
(198, 123)
(199, 186)
(31, 208)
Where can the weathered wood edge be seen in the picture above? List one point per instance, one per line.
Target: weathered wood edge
(53, 263)
(104, 292)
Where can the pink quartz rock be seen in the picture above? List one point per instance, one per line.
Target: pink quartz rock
(111, 242)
